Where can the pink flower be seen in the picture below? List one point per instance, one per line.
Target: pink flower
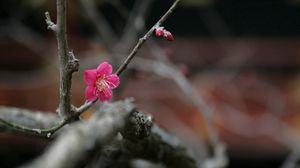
(100, 82)
(159, 31)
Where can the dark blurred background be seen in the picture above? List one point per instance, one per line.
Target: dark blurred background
(241, 56)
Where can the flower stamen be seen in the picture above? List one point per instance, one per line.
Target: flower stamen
(101, 84)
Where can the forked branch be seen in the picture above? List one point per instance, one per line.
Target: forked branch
(69, 64)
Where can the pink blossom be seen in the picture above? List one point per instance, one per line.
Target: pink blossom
(100, 82)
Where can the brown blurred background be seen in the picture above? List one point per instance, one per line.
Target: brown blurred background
(241, 56)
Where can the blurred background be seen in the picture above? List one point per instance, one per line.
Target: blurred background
(236, 62)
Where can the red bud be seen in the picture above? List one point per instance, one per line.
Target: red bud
(159, 31)
(168, 35)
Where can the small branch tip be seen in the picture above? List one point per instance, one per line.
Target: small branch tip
(51, 25)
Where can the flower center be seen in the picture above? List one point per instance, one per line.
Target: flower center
(101, 84)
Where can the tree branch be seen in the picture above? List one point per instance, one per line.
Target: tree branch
(135, 23)
(68, 65)
(39, 129)
(77, 143)
(67, 60)
(27, 118)
(145, 37)
(36, 123)
(166, 69)
(139, 44)
(49, 22)
(169, 71)
(144, 140)
(140, 140)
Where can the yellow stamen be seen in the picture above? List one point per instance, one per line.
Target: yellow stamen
(101, 84)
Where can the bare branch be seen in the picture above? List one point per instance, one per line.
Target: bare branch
(85, 106)
(135, 23)
(36, 123)
(145, 37)
(31, 123)
(68, 63)
(78, 142)
(168, 71)
(21, 128)
(292, 158)
(138, 46)
(82, 140)
(141, 135)
(49, 22)
(28, 118)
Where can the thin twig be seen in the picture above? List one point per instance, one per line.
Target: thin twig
(46, 132)
(168, 70)
(145, 37)
(85, 106)
(292, 158)
(37, 130)
(49, 22)
(26, 120)
(34, 131)
(135, 23)
(77, 143)
(27, 117)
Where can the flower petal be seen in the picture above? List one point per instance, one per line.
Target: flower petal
(90, 76)
(105, 95)
(113, 81)
(90, 93)
(104, 69)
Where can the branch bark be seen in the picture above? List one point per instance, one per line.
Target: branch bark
(135, 24)
(143, 139)
(27, 118)
(76, 146)
(68, 62)
(168, 70)
(145, 37)
(36, 123)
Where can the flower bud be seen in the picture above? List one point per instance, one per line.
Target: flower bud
(159, 31)
(168, 35)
